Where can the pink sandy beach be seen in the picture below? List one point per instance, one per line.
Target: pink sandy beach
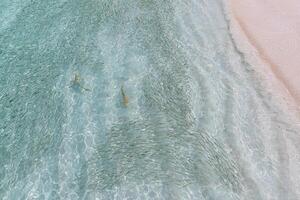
(272, 27)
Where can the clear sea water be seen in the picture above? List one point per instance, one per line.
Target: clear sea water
(199, 123)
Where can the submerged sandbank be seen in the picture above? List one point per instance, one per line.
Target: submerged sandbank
(273, 28)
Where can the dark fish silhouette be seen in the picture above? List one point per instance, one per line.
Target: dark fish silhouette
(76, 83)
(124, 96)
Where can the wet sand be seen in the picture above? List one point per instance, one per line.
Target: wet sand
(272, 27)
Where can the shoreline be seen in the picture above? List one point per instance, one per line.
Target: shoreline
(271, 46)
(277, 68)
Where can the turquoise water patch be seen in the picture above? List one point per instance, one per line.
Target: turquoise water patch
(191, 121)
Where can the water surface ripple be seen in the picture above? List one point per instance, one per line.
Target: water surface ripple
(199, 123)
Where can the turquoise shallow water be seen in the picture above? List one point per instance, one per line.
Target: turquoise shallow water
(198, 125)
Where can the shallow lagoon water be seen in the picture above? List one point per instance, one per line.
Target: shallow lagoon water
(199, 123)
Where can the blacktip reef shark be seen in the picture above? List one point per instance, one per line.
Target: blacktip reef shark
(76, 83)
(124, 96)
